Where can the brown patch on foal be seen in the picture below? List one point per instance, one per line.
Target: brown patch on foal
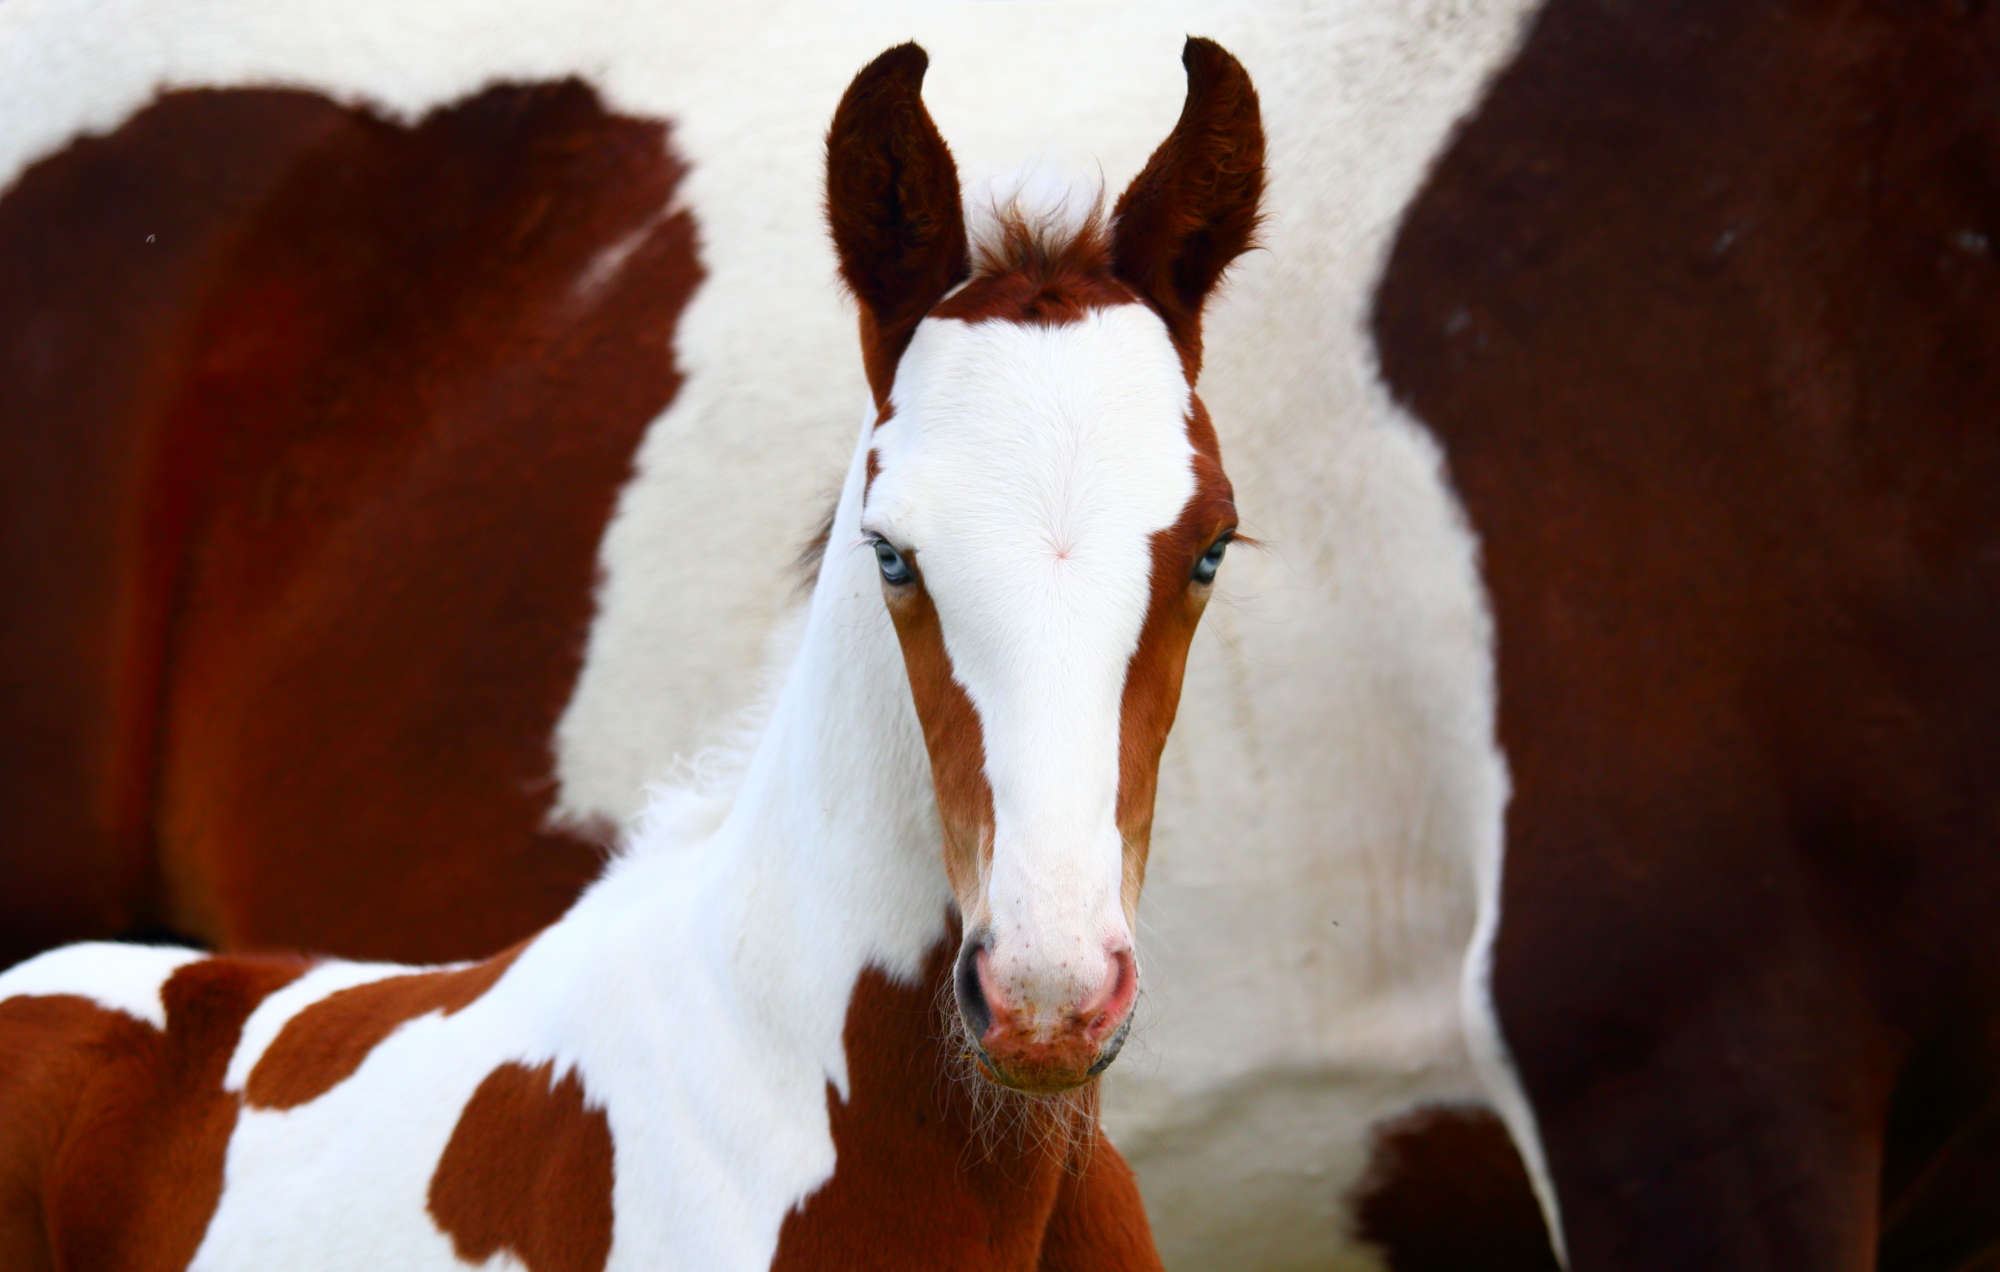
(528, 1171)
(1194, 207)
(1153, 677)
(326, 1042)
(1032, 275)
(952, 735)
(921, 1169)
(115, 1134)
(892, 203)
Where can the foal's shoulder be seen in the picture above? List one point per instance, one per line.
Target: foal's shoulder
(114, 1122)
(104, 1001)
(127, 979)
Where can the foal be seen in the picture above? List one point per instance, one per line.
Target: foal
(729, 1054)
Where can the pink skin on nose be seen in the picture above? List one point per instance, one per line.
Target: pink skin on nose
(1056, 1055)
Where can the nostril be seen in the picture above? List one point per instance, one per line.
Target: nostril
(972, 1005)
(1112, 1002)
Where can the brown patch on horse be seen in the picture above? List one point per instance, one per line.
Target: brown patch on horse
(324, 416)
(1703, 307)
(109, 243)
(322, 1046)
(113, 1134)
(892, 204)
(953, 736)
(1191, 211)
(1445, 1191)
(528, 1172)
(921, 1168)
(1153, 678)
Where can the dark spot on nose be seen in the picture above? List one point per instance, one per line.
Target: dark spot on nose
(972, 1006)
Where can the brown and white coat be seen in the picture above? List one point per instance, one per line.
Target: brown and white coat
(729, 1054)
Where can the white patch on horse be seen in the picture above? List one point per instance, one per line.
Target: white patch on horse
(123, 978)
(603, 267)
(1051, 197)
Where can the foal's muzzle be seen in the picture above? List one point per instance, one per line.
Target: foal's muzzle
(1044, 1046)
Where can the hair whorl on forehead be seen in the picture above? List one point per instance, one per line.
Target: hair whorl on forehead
(1041, 252)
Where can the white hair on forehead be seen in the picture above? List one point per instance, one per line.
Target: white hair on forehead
(1054, 201)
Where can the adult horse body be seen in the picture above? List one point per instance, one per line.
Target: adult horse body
(1738, 576)
(1702, 305)
(728, 1054)
(351, 437)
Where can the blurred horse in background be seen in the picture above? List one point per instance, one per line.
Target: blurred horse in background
(387, 398)
(730, 1053)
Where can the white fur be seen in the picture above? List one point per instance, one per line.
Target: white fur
(123, 978)
(1055, 199)
(1028, 468)
(1334, 759)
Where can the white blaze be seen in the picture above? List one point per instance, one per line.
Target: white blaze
(1029, 468)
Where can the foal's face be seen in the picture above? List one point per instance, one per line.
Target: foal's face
(1047, 510)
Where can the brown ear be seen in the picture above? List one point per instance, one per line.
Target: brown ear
(892, 201)
(1193, 209)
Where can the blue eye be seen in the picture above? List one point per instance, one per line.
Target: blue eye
(895, 570)
(1211, 561)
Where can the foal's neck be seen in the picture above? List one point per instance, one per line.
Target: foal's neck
(835, 804)
(796, 955)
(828, 860)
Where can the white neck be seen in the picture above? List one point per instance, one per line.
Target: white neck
(835, 811)
(828, 858)
(725, 962)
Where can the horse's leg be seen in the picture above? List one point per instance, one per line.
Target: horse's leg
(1099, 1222)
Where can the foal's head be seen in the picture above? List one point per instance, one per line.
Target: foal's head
(1048, 508)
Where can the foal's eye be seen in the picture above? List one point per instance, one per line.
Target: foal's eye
(1211, 560)
(895, 570)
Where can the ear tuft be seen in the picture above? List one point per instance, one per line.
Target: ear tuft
(893, 204)
(1194, 207)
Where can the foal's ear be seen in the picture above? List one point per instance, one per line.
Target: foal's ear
(892, 201)
(1193, 209)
